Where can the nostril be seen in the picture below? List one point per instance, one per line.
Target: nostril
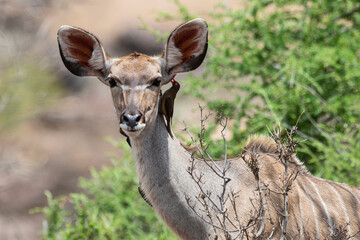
(132, 120)
(126, 119)
(138, 118)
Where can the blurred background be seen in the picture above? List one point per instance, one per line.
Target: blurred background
(53, 124)
(268, 62)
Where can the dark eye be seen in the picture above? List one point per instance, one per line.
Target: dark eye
(157, 82)
(112, 82)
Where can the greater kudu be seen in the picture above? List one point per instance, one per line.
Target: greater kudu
(316, 206)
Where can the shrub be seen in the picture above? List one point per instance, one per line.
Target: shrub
(279, 58)
(109, 207)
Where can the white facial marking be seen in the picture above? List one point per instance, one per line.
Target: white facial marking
(138, 127)
(136, 88)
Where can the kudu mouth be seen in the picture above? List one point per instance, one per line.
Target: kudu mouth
(132, 122)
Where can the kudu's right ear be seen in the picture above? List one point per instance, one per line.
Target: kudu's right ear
(186, 47)
(82, 53)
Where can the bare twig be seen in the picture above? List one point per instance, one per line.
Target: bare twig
(286, 148)
(214, 209)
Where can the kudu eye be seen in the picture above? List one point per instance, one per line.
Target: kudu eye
(112, 82)
(156, 82)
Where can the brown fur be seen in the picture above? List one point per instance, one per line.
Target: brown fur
(314, 203)
(260, 144)
(136, 56)
(266, 145)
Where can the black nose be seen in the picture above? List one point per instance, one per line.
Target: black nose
(132, 120)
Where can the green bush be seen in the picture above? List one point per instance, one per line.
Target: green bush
(108, 207)
(277, 59)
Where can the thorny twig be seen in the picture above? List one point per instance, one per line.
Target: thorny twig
(217, 212)
(286, 149)
(214, 209)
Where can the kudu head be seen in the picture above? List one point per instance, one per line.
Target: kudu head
(135, 80)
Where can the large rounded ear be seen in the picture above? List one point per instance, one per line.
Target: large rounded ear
(82, 53)
(186, 47)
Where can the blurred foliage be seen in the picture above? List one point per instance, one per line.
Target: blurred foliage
(183, 14)
(280, 58)
(108, 207)
(26, 88)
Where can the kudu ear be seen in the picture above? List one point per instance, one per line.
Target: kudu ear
(82, 53)
(186, 47)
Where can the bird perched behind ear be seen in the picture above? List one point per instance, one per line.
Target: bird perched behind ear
(167, 103)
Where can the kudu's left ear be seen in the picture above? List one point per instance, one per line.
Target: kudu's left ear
(186, 47)
(82, 53)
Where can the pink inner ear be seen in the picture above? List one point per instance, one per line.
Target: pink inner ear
(188, 42)
(80, 56)
(79, 46)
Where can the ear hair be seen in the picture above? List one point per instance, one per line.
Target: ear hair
(186, 47)
(82, 53)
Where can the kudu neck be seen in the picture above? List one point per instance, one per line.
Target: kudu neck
(157, 155)
(161, 165)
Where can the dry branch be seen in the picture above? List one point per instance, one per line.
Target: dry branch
(213, 209)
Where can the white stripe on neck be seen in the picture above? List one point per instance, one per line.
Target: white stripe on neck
(301, 214)
(314, 210)
(343, 207)
(323, 203)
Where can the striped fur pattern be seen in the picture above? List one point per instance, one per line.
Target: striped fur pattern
(317, 207)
